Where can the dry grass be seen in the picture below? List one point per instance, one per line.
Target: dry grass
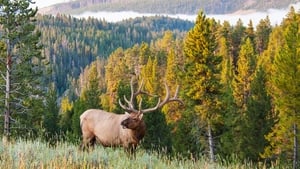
(27, 155)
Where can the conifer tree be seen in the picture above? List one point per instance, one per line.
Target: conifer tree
(66, 113)
(284, 138)
(158, 133)
(237, 37)
(172, 110)
(262, 34)
(50, 118)
(201, 82)
(226, 76)
(258, 120)
(91, 95)
(241, 86)
(115, 71)
(250, 32)
(22, 62)
(244, 74)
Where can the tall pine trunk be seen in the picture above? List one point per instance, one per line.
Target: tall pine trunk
(211, 144)
(7, 112)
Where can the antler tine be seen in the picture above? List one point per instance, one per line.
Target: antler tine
(124, 107)
(140, 105)
(139, 91)
(130, 107)
(166, 100)
(132, 90)
(151, 109)
(167, 96)
(175, 98)
(128, 103)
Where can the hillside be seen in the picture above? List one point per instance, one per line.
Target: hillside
(66, 42)
(166, 7)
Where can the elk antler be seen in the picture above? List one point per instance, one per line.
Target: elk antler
(166, 100)
(130, 107)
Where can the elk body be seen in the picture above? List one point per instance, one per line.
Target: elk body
(119, 130)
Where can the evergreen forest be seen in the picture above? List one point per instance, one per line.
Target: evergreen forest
(240, 83)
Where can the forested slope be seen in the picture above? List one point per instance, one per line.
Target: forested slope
(70, 44)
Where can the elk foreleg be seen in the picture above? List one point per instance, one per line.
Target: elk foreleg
(130, 149)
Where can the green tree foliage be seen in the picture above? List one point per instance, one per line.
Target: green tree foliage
(158, 133)
(70, 48)
(91, 95)
(21, 66)
(258, 120)
(80, 105)
(237, 36)
(66, 114)
(201, 81)
(123, 90)
(244, 75)
(250, 32)
(51, 116)
(285, 91)
(262, 34)
(241, 86)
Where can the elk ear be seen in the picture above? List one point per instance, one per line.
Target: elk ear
(141, 116)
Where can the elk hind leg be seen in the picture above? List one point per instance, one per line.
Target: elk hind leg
(88, 143)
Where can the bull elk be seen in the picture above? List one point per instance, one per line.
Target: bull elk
(119, 130)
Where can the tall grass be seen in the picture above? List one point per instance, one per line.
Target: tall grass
(36, 154)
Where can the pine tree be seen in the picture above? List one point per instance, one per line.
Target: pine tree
(79, 106)
(228, 106)
(158, 133)
(66, 113)
(50, 120)
(285, 81)
(241, 86)
(237, 37)
(172, 110)
(91, 95)
(115, 72)
(250, 32)
(244, 75)
(201, 83)
(262, 34)
(258, 120)
(22, 62)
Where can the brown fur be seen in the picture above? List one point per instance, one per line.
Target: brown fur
(112, 130)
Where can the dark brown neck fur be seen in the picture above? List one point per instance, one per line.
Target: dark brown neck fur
(139, 132)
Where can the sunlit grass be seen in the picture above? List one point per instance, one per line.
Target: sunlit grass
(27, 154)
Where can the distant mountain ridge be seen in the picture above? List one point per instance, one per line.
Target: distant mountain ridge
(166, 6)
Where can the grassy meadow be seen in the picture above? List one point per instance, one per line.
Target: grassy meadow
(27, 154)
